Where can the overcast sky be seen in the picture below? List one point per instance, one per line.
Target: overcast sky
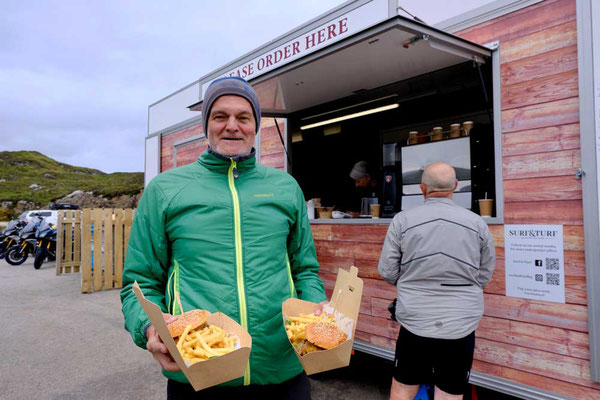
(77, 76)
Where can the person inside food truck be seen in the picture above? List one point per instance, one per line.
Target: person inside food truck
(360, 174)
(225, 234)
(365, 186)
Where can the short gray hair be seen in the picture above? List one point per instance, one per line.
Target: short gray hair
(439, 177)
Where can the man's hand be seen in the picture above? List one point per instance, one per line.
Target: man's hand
(319, 308)
(157, 347)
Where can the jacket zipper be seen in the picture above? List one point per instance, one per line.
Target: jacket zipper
(233, 174)
(289, 272)
(177, 308)
(171, 303)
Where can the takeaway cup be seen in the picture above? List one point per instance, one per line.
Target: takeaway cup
(437, 134)
(375, 208)
(413, 137)
(455, 130)
(485, 207)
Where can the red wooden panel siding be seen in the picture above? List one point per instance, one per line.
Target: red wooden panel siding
(272, 152)
(542, 189)
(522, 22)
(359, 250)
(564, 368)
(526, 378)
(271, 145)
(166, 155)
(189, 153)
(567, 316)
(541, 140)
(379, 307)
(553, 62)
(270, 141)
(546, 338)
(553, 113)
(378, 326)
(540, 90)
(566, 212)
(575, 263)
(367, 267)
(273, 160)
(557, 163)
(539, 42)
(167, 144)
(376, 340)
(352, 233)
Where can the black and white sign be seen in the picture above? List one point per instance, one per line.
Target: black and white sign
(535, 262)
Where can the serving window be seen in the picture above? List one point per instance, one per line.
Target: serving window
(398, 129)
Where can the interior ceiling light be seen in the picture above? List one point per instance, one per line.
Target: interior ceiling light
(350, 116)
(351, 106)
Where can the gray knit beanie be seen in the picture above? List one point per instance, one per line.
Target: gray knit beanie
(229, 86)
(359, 171)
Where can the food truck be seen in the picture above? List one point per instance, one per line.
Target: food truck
(506, 93)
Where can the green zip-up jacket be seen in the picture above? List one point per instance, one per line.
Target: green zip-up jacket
(224, 235)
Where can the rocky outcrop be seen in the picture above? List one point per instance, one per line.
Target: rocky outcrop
(23, 205)
(89, 200)
(10, 210)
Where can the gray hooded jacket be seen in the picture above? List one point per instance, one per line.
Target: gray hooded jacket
(440, 256)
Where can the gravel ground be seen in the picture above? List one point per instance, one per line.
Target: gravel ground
(61, 344)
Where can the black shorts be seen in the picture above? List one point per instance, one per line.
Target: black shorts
(297, 388)
(446, 363)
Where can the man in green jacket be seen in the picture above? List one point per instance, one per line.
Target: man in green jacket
(225, 234)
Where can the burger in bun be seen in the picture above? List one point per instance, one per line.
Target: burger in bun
(195, 318)
(309, 333)
(325, 335)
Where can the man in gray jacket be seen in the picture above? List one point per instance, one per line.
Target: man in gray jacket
(440, 256)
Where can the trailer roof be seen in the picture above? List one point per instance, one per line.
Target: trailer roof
(390, 51)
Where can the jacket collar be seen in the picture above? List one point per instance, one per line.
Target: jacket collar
(439, 200)
(220, 163)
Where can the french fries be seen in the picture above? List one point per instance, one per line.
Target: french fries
(295, 328)
(203, 343)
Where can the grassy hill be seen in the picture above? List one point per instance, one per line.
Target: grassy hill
(19, 170)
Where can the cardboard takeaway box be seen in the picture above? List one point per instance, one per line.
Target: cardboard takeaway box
(211, 372)
(345, 305)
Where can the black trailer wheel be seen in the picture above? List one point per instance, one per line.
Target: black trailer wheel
(40, 255)
(15, 256)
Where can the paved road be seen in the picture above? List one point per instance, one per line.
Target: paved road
(60, 344)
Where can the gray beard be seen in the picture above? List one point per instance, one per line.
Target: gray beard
(221, 155)
(233, 155)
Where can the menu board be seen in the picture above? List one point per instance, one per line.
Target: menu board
(535, 262)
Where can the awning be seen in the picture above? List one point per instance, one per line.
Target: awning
(392, 51)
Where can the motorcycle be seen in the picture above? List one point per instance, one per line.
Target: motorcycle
(46, 236)
(10, 236)
(17, 254)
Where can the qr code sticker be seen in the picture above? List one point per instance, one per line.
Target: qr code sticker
(539, 277)
(552, 279)
(552, 263)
